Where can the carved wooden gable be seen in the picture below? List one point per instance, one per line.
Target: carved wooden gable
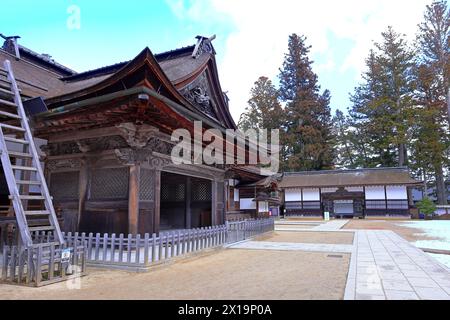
(200, 94)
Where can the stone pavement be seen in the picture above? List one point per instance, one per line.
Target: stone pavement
(383, 265)
(288, 246)
(386, 266)
(332, 225)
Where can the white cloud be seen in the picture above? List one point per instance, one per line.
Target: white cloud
(261, 29)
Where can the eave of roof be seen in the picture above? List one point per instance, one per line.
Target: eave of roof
(355, 177)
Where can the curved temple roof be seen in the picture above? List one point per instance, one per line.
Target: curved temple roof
(178, 72)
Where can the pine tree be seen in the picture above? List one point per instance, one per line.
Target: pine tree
(433, 77)
(308, 118)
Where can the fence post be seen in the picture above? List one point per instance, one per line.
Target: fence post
(130, 239)
(146, 241)
(138, 249)
(153, 247)
(113, 248)
(166, 238)
(97, 246)
(38, 270)
(120, 247)
(105, 247)
(5, 262)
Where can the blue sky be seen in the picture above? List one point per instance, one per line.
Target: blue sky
(251, 35)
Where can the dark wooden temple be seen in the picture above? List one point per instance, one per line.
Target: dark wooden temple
(106, 139)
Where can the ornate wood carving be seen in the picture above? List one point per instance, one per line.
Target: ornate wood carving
(137, 136)
(198, 94)
(84, 146)
(129, 156)
(66, 164)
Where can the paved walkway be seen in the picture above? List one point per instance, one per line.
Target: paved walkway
(383, 265)
(332, 225)
(288, 246)
(386, 266)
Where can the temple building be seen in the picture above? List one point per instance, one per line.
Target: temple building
(378, 192)
(105, 137)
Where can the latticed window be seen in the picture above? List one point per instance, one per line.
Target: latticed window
(109, 184)
(146, 191)
(64, 185)
(173, 192)
(201, 191)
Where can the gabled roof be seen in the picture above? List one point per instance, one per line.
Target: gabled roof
(175, 70)
(356, 177)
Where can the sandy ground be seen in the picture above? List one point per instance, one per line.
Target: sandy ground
(226, 274)
(410, 234)
(309, 237)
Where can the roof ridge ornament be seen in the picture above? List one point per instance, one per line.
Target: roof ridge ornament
(204, 45)
(11, 40)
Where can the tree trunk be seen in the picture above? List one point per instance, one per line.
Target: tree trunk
(441, 189)
(425, 185)
(402, 155)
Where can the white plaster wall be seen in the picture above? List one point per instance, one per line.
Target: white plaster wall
(375, 193)
(236, 195)
(311, 195)
(247, 204)
(263, 206)
(293, 195)
(396, 193)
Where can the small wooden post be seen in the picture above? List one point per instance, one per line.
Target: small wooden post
(121, 247)
(138, 249)
(130, 239)
(153, 247)
(146, 247)
(113, 248)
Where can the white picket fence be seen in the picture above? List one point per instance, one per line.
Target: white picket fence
(142, 251)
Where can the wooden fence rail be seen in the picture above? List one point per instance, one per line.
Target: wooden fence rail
(120, 250)
(140, 250)
(41, 265)
(242, 230)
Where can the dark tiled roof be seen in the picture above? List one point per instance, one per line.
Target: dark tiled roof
(357, 177)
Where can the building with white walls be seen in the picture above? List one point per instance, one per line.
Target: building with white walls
(349, 193)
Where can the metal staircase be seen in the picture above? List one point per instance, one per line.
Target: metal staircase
(21, 165)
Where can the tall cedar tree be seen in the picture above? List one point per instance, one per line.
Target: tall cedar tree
(264, 111)
(433, 77)
(382, 105)
(350, 146)
(308, 119)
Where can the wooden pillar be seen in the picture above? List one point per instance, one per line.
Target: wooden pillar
(82, 190)
(133, 200)
(188, 216)
(157, 202)
(214, 202)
